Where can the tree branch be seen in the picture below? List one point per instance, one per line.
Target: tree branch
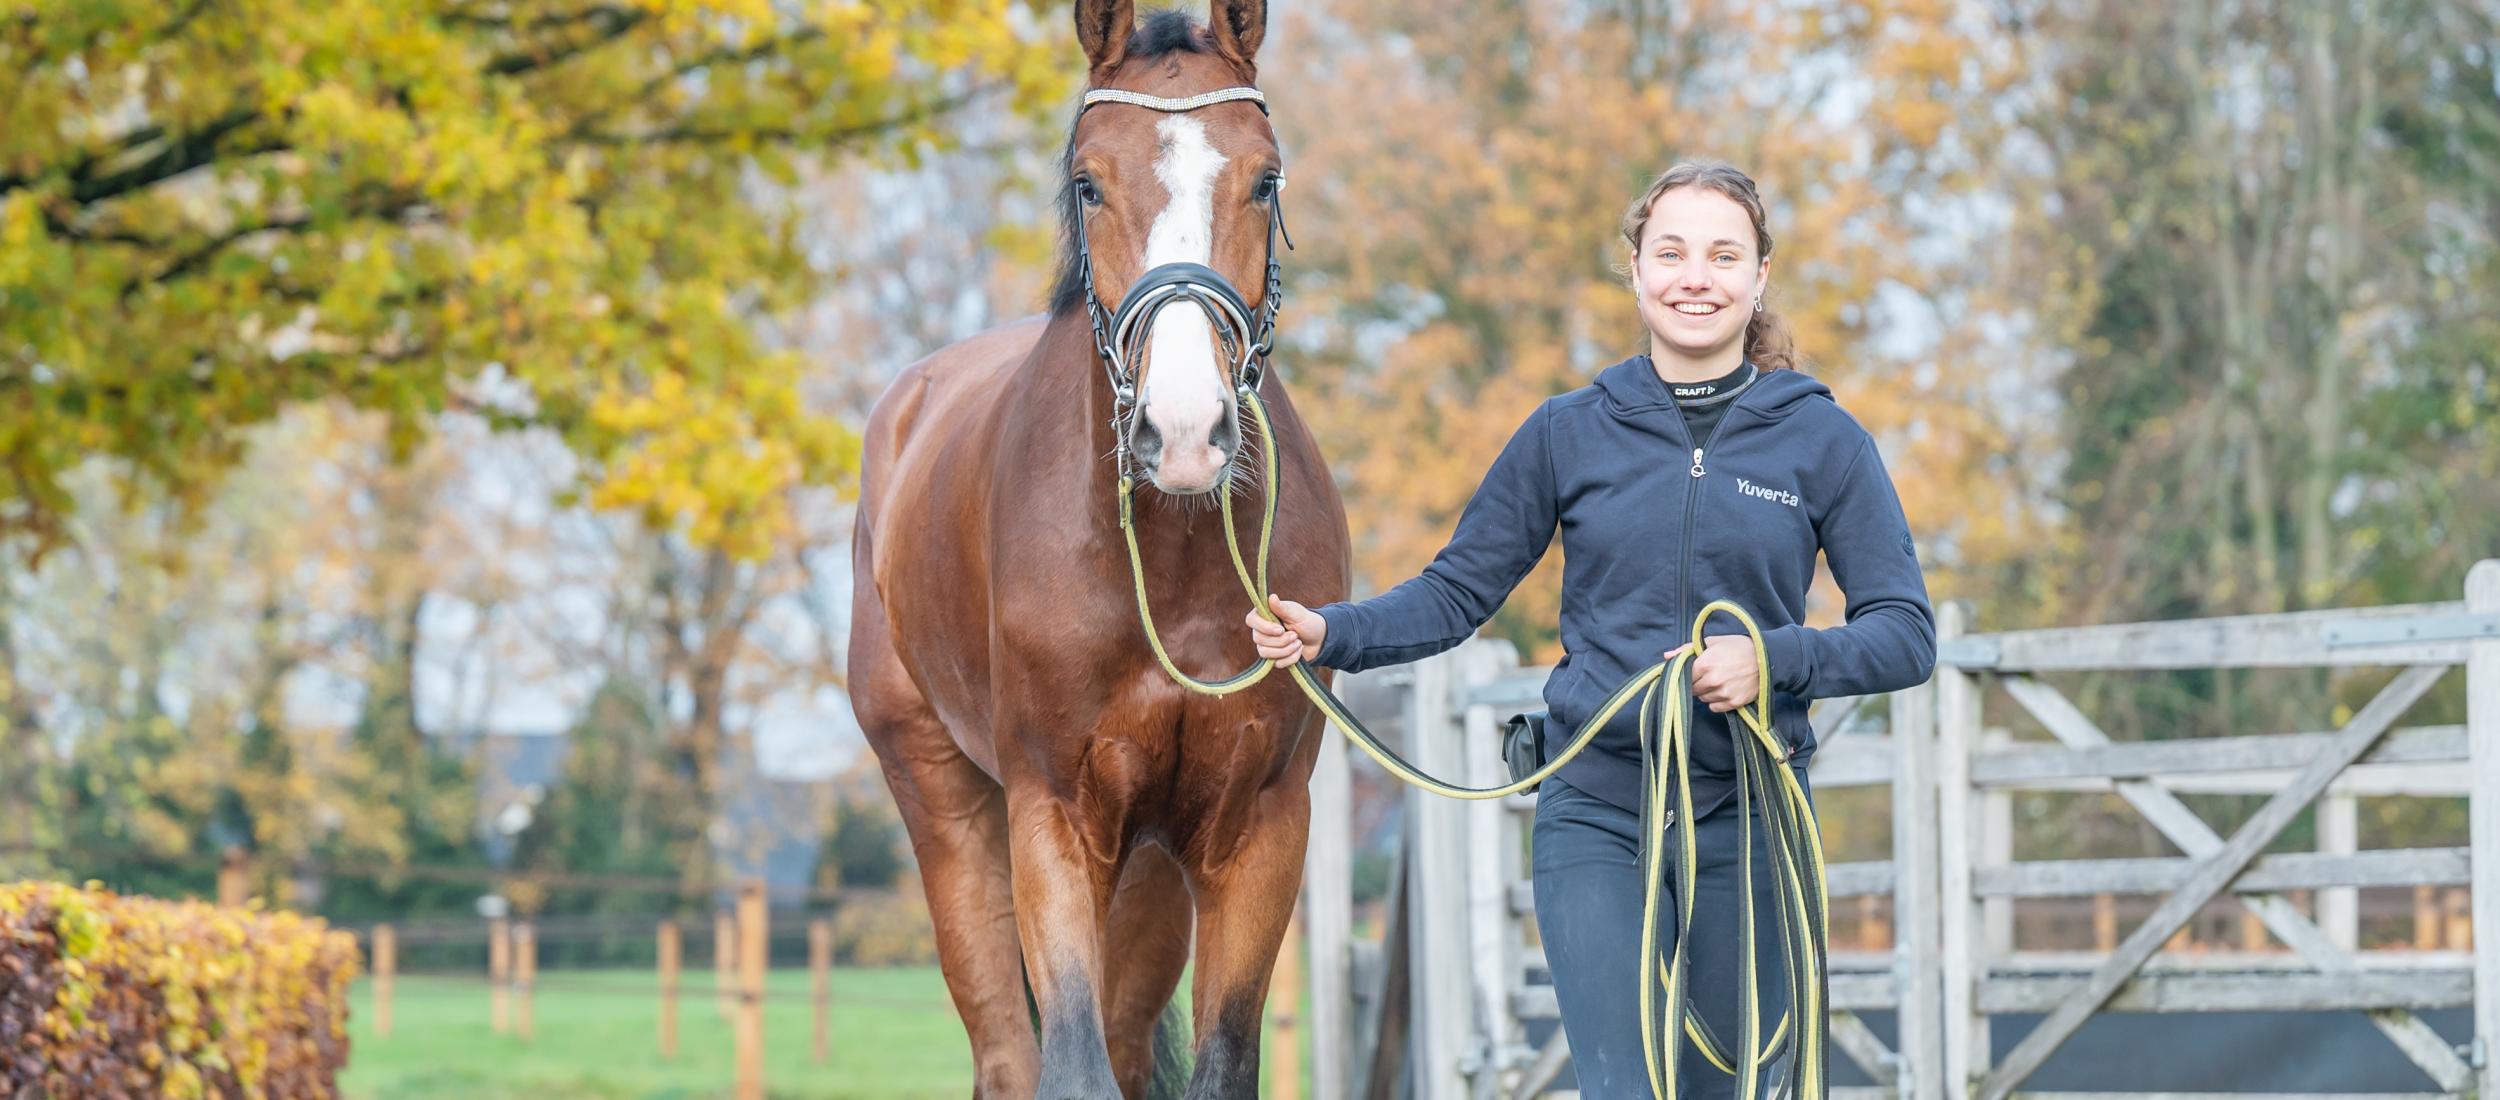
(696, 134)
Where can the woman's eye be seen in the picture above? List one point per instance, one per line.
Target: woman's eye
(1727, 257)
(1670, 256)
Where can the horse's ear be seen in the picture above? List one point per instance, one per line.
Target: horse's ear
(1238, 26)
(1103, 26)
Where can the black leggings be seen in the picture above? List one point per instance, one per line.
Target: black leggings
(1587, 875)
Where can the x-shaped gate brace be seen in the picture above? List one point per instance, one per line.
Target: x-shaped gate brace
(2217, 864)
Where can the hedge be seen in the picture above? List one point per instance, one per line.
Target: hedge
(107, 996)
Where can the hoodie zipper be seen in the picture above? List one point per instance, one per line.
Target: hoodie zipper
(1692, 501)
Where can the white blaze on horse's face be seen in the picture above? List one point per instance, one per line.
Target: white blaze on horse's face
(1185, 409)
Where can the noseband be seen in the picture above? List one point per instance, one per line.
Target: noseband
(1247, 335)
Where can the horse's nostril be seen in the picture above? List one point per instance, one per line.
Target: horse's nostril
(1147, 443)
(1225, 436)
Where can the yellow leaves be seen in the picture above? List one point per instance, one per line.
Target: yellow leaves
(719, 463)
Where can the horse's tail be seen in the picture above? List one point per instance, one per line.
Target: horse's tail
(1171, 1054)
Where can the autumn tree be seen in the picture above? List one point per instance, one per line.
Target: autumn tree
(558, 212)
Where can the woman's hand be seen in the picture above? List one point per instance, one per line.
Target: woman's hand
(1294, 635)
(1725, 675)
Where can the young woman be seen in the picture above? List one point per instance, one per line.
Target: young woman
(1710, 468)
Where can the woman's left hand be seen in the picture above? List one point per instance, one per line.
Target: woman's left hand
(1725, 674)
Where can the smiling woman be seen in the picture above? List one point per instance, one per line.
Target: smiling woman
(1708, 469)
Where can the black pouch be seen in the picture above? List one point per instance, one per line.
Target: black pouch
(1523, 744)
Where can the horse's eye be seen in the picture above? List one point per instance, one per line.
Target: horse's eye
(1268, 185)
(1086, 193)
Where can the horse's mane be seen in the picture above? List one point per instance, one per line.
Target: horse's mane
(1158, 34)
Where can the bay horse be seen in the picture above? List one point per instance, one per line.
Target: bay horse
(1081, 821)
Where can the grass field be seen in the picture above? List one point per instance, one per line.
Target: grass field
(894, 1037)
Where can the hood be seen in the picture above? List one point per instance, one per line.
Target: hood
(1633, 386)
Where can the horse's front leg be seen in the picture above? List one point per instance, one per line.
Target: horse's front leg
(1065, 870)
(1245, 890)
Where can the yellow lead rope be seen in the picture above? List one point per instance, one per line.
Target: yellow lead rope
(1801, 903)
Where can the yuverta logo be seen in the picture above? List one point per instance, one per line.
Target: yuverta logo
(1776, 496)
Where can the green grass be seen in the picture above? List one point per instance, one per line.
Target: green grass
(894, 1036)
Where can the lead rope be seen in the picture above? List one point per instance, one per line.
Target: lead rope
(1765, 776)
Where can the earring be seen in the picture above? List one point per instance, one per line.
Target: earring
(1757, 305)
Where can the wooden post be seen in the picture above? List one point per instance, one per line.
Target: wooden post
(820, 984)
(1328, 905)
(671, 947)
(1996, 849)
(525, 978)
(1964, 946)
(1443, 980)
(2339, 833)
(234, 879)
(2104, 923)
(385, 970)
(1916, 892)
(2460, 919)
(2482, 736)
(1491, 856)
(2426, 917)
(1284, 1016)
(1872, 935)
(750, 1024)
(499, 972)
(724, 954)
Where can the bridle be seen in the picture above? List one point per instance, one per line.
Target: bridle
(1248, 335)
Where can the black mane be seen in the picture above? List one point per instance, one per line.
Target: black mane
(1159, 34)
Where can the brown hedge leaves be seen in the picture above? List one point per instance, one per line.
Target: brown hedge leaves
(106, 996)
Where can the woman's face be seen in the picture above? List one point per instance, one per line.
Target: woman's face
(1696, 275)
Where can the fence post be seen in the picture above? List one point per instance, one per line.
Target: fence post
(1964, 947)
(385, 969)
(499, 972)
(1915, 948)
(671, 949)
(234, 878)
(2482, 726)
(820, 984)
(1995, 848)
(751, 946)
(724, 956)
(1492, 866)
(1441, 974)
(2339, 834)
(525, 977)
(1328, 910)
(1284, 1016)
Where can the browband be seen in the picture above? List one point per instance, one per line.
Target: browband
(1159, 103)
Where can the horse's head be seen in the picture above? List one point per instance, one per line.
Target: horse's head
(1172, 162)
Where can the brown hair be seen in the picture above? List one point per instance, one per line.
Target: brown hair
(1767, 343)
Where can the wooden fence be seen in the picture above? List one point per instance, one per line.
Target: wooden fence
(1444, 994)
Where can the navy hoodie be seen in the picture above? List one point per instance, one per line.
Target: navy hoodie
(1654, 526)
